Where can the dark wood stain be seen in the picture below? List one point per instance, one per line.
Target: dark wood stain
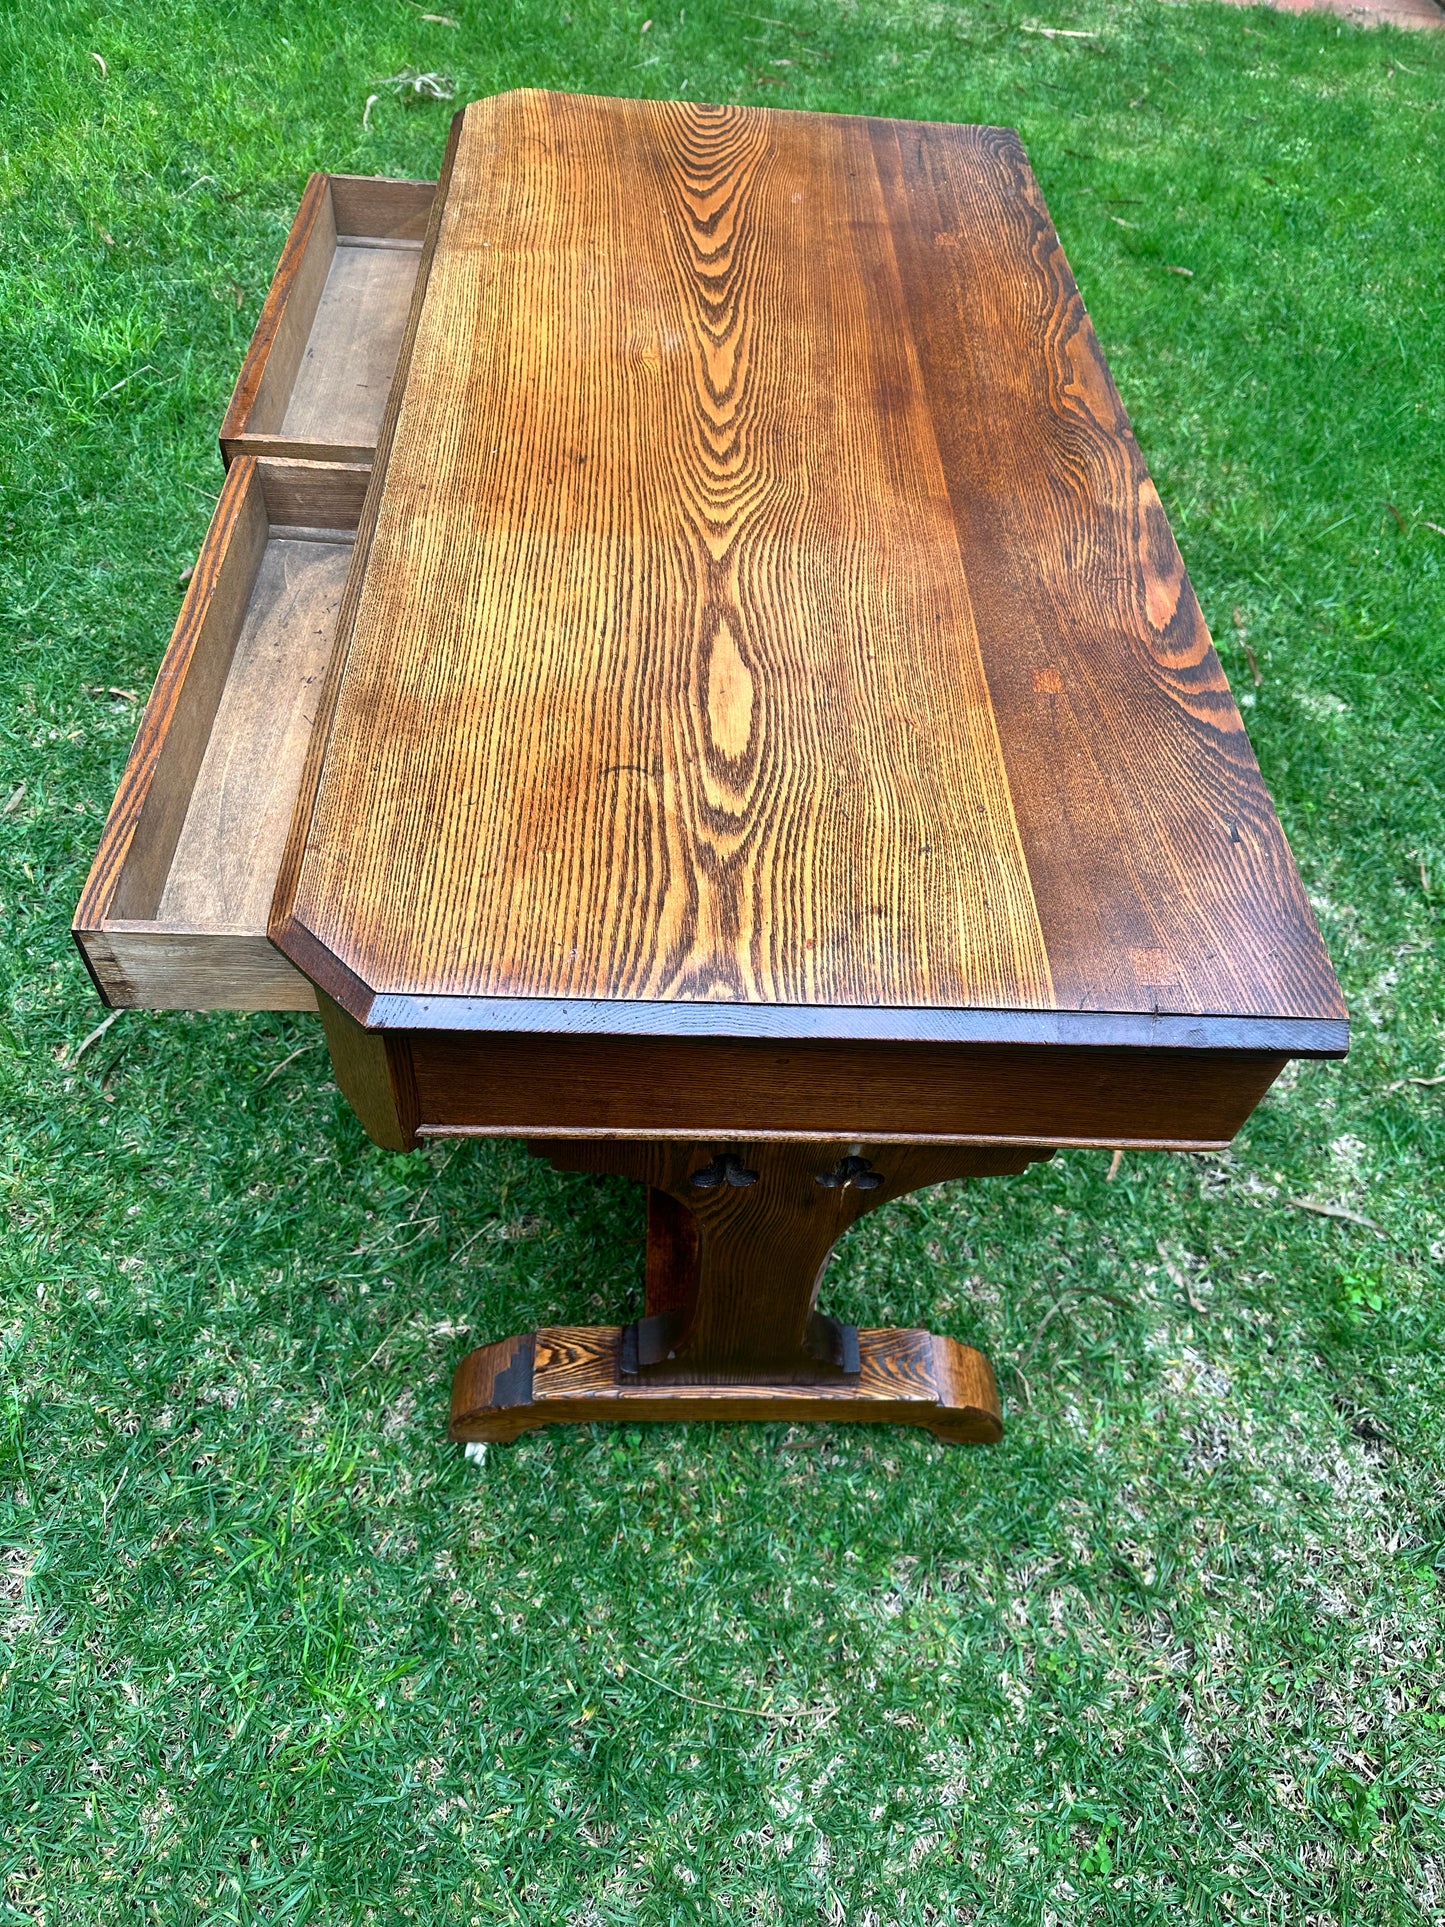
(772, 749)
(725, 1088)
(764, 602)
(568, 1375)
(744, 1285)
(1160, 870)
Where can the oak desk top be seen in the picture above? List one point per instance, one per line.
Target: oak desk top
(764, 623)
(766, 745)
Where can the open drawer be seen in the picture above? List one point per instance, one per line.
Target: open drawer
(174, 912)
(315, 381)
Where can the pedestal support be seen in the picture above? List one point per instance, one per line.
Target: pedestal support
(738, 1238)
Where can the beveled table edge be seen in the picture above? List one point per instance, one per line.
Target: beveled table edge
(1291, 1036)
(380, 1010)
(792, 1023)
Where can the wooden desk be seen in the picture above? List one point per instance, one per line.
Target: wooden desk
(766, 744)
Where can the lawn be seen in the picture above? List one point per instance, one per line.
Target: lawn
(271, 1650)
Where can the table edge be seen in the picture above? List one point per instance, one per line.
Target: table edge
(788, 1023)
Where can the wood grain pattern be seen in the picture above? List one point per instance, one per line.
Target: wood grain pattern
(1162, 875)
(311, 499)
(315, 380)
(672, 1253)
(567, 1375)
(149, 808)
(340, 984)
(229, 849)
(340, 387)
(279, 341)
(147, 965)
(173, 915)
(732, 1329)
(732, 443)
(375, 208)
(373, 1074)
(747, 1311)
(723, 1087)
(682, 697)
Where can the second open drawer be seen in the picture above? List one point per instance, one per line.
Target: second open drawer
(175, 909)
(315, 381)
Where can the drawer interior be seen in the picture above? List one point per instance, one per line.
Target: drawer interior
(174, 915)
(315, 382)
(230, 842)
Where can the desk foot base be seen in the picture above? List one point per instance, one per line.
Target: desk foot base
(570, 1375)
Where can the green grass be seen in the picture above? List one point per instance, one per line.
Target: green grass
(270, 1649)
